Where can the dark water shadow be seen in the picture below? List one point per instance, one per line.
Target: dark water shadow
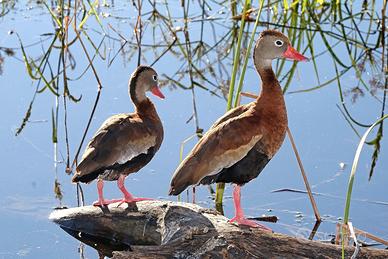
(104, 246)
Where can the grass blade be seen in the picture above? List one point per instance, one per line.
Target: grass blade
(353, 173)
(237, 57)
(247, 55)
(221, 186)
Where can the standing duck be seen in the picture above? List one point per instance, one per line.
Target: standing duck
(125, 142)
(240, 144)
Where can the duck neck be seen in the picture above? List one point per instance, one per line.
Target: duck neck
(136, 95)
(270, 84)
(146, 108)
(143, 105)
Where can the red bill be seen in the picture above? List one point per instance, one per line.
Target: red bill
(293, 54)
(156, 91)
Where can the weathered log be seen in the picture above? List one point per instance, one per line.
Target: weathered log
(164, 229)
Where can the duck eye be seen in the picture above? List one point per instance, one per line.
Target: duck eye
(279, 43)
(155, 77)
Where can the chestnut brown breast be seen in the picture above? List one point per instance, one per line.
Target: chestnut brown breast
(271, 109)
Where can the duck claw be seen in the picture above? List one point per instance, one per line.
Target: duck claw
(102, 203)
(133, 199)
(249, 223)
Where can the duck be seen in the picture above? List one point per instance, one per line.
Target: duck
(240, 144)
(125, 142)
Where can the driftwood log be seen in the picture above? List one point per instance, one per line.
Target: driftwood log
(164, 229)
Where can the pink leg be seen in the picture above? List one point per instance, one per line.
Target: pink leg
(239, 216)
(101, 201)
(127, 196)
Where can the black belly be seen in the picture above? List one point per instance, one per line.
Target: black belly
(243, 171)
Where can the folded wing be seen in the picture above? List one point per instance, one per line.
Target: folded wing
(120, 138)
(221, 147)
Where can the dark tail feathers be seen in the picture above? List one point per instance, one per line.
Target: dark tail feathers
(87, 178)
(176, 190)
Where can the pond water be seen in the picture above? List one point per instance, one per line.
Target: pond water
(325, 140)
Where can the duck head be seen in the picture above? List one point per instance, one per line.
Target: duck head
(271, 45)
(144, 79)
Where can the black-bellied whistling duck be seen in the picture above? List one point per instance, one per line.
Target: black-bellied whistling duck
(240, 144)
(125, 142)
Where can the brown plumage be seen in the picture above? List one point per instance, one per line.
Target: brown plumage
(125, 142)
(239, 144)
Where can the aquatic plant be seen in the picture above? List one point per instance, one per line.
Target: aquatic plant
(352, 177)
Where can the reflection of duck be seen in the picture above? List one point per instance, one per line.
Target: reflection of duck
(125, 142)
(239, 145)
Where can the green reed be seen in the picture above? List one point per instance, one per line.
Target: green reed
(235, 94)
(353, 174)
(236, 61)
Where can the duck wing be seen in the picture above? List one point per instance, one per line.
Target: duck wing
(231, 114)
(121, 138)
(221, 147)
(243, 171)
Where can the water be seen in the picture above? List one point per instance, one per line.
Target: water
(322, 135)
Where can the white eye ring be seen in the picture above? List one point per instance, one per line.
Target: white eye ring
(155, 78)
(278, 43)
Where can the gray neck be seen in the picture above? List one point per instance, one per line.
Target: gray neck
(140, 97)
(268, 77)
(260, 60)
(136, 90)
(264, 68)
(136, 95)
(263, 64)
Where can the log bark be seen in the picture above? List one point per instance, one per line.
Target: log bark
(165, 229)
